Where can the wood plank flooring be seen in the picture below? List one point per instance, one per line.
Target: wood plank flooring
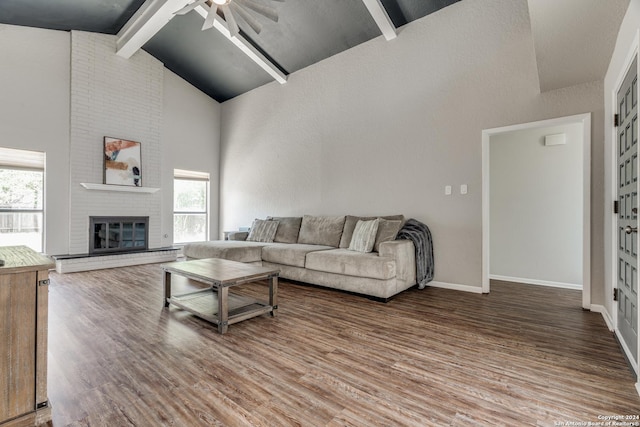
(523, 355)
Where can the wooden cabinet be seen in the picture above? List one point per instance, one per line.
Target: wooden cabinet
(24, 281)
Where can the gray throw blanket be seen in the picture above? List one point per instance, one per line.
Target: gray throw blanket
(420, 235)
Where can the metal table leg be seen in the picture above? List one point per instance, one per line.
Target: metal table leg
(167, 287)
(273, 295)
(223, 309)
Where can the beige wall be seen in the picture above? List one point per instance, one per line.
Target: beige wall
(383, 127)
(191, 141)
(34, 114)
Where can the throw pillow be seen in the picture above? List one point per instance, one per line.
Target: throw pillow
(262, 231)
(364, 236)
(387, 231)
(350, 225)
(288, 229)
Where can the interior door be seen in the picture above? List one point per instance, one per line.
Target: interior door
(627, 132)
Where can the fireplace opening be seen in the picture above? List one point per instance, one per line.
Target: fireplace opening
(112, 234)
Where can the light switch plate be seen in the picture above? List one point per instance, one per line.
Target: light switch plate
(447, 190)
(463, 189)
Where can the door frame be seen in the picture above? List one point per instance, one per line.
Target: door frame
(610, 218)
(585, 120)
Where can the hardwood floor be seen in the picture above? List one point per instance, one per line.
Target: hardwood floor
(523, 355)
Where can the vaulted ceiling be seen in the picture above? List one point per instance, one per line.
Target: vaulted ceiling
(307, 31)
(574, 39)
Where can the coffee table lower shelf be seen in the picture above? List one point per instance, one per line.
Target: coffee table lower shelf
(204, 304)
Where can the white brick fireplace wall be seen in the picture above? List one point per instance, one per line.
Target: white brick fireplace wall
(121, 98)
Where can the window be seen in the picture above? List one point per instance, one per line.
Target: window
(22, 198)
(190, 206)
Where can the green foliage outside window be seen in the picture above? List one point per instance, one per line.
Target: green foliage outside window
(21, 207)
(190, 210)
(21, 189)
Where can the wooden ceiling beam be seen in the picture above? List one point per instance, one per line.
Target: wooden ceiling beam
(380, 15)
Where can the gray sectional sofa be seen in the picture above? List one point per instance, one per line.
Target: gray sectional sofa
(316, 250)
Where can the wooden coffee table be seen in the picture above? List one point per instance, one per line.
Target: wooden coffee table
(215, 304)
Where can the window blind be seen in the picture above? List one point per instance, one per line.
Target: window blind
(12, 158)
(193, 175)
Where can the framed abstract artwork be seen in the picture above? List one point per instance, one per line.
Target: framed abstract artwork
(122, 162)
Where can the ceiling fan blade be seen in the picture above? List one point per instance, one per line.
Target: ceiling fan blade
(211, 17)
(247, 18)
(231, 20)
(188, 8)
(264, 10)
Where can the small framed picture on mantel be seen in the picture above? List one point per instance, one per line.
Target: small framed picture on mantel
(122, 162)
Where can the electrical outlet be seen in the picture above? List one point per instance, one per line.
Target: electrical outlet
(463, 189)
(447, 190)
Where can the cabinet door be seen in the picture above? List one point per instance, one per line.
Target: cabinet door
(17, 344)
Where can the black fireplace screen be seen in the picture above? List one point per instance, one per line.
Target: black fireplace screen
(118, 234)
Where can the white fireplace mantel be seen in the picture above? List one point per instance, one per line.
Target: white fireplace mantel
(121, 188)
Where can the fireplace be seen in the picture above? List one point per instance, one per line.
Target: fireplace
(113, 234)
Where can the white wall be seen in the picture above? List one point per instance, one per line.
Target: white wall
(178, 126)
(383, 127)
(190, 141)
(536, 206)
(119, 98)
(627, 39)
(34, 114)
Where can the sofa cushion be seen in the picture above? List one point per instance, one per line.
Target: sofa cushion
(262, 231)
(293, 254)
(351, 263)
(350, 225)
(233, 250)
(387, 231)
(321, 230)
(364, 236)
(288, 228)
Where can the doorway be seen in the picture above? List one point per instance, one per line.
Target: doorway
(547, 142)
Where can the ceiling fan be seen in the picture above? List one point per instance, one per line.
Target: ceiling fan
(231, 9)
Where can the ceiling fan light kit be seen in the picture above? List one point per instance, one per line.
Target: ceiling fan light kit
(232, 8)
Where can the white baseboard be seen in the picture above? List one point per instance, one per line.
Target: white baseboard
(627, 352)
(596, 308)
(549, 283)
(456, 287)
